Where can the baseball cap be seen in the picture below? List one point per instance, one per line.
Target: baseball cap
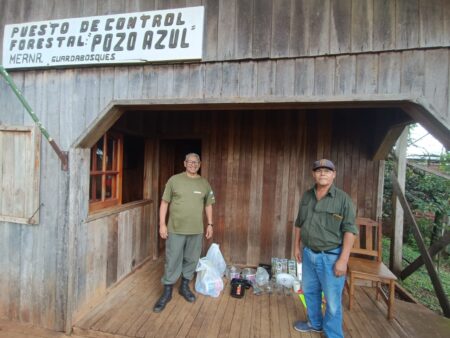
(323, 163)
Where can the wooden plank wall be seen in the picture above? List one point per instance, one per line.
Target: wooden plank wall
(110, 248)
(242, 29)
(261, 29)
(259, 165)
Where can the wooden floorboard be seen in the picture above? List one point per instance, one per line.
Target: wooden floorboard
(9, 329)
(127, 312)
(117, 295)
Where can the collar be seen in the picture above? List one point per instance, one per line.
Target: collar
(186, 174)
(331, 192)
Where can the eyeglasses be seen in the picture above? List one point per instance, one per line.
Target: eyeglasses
(323, 171)
(192, 162)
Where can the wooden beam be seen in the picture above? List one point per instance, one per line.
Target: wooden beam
(424, 113)
(387, 141)
(98, 127)
(397, 234)
(381, 170)
(437, 285)
(428, 170)
(389, 125)
(433, 251)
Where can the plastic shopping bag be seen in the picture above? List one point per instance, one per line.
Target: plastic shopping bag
(262, 276)
(209, 282)
(215, 256)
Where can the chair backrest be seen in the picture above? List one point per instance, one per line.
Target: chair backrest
(368, 241)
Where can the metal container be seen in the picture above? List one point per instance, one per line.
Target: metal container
(238, 287)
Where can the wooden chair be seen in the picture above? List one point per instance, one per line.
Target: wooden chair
(365, 263)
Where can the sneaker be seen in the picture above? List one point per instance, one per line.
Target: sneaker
(304, 326)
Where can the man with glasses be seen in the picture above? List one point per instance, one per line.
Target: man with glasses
(325, 226)
(186, 196)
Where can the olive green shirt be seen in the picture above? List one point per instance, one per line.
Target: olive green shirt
(187, 198)
(323, 223)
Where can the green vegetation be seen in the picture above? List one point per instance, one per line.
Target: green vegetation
(428, 196)
(419, 283)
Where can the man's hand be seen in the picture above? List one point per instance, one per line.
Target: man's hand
(298, 254)
(163, 231)
(340, 267)
(209, 231)
(297, 245)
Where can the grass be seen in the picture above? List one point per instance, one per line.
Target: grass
(419, 283)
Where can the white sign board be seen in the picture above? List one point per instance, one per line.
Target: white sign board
(163, 35)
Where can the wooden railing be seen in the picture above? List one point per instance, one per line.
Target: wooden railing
(425, 254)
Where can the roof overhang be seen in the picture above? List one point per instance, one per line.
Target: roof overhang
(417, 108)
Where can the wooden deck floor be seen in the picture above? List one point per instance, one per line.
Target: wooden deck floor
(10, 329)
(127, 312)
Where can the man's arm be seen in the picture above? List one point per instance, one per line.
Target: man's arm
(209, 217)
(162, 219)
(297, 249)
(340, 267)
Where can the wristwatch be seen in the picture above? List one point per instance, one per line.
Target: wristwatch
(211, 224)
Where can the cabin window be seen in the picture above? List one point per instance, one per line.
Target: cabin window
(116, 171)
(106, 172)
(19, 174)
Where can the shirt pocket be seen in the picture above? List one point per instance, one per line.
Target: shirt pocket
(333, 218)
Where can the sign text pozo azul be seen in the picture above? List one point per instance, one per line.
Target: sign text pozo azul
(175, 34)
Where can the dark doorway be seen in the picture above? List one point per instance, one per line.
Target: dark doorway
(171, 161)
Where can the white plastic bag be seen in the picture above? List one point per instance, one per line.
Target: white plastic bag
(262, 276)
(285, 280)
(209, 282)
(299, 271)
(215, 256)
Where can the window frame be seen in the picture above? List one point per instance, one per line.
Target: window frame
(116, 170)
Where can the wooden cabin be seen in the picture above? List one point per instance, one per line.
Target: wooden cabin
(278, 85)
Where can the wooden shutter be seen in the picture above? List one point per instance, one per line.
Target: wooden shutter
(19, 174)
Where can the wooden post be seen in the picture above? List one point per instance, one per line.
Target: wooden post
(78, 210)
(395, 262)
(381, 170)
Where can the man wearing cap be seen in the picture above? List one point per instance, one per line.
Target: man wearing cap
(325, 226)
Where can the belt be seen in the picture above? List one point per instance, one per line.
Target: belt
(327, 251)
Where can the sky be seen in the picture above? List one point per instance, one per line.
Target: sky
(425, 143)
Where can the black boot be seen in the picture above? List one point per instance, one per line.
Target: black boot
(185, 291)
(164, 299)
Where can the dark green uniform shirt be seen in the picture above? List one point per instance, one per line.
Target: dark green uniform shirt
(323, 223)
